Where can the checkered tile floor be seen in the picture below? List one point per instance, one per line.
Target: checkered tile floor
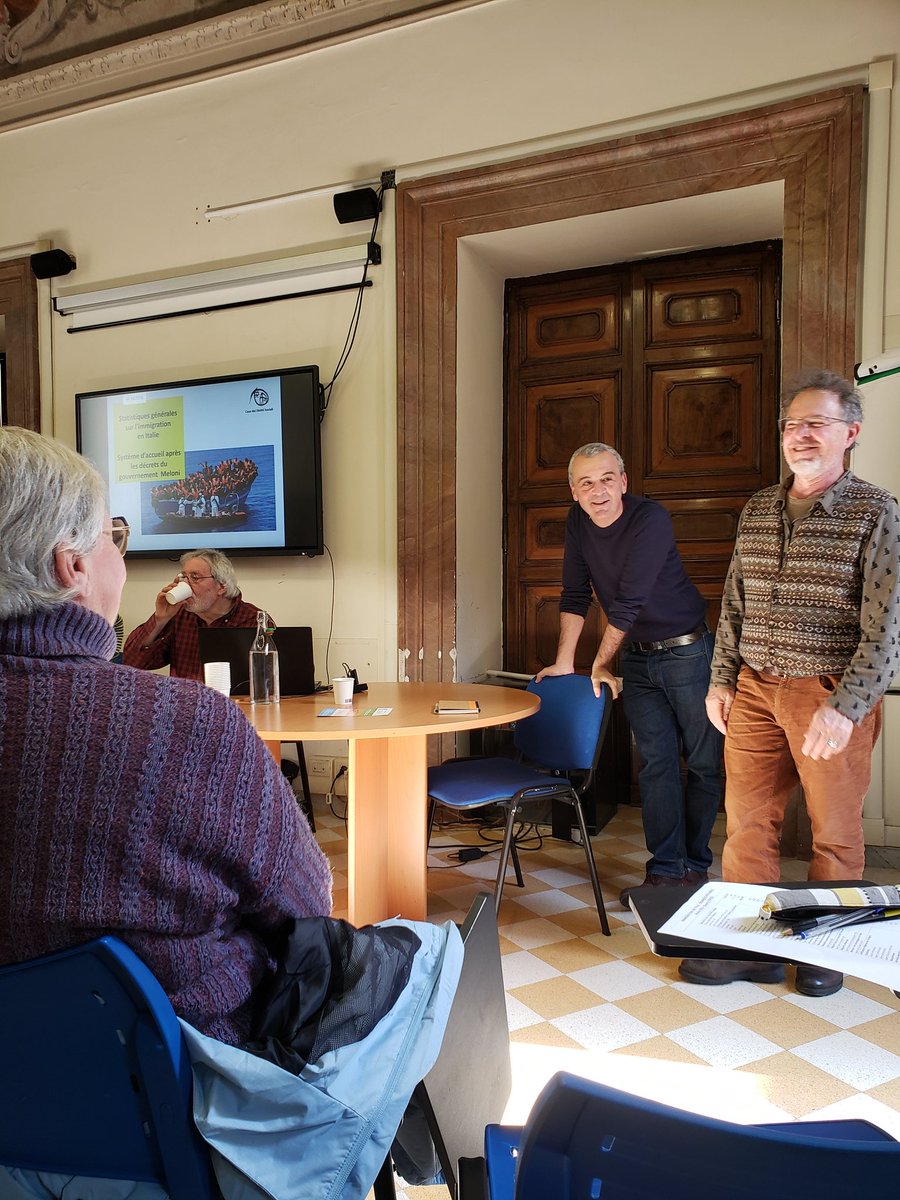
(608, 1009)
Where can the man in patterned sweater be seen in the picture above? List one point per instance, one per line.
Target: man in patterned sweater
(807, 644)
(130, 803)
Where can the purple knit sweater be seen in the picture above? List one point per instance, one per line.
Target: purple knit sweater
(146, 807)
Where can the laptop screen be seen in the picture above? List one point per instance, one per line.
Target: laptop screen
(294, 643)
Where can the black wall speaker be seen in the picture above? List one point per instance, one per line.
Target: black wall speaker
(358, 205)
(48, 263)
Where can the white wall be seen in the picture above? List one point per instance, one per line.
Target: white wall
(125, 188)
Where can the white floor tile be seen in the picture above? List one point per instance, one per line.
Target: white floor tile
(723, 1043)
(730, 997)
(603, 1028)
(549, 902)
(844, 1009)
(616, 980)
(554, 877)
(849, 1058)
(520, 968)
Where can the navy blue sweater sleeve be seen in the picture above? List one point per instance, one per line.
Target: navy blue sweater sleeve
(576, 589)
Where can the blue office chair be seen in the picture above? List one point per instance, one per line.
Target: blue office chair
(584, 1139)
(96, 1079)
(558, 749)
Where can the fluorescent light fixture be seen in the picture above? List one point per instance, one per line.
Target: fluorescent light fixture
(226, 287)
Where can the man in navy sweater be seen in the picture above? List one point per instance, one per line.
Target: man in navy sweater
(621, 547)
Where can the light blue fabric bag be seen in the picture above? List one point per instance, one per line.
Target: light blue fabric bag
(324, 1134)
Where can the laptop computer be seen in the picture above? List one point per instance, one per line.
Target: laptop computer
(296, 669)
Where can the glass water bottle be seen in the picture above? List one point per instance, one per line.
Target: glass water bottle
(264, 683)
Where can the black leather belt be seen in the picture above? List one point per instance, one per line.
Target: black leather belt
(685, 640)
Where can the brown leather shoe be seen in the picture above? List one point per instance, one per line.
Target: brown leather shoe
(716, 971)
(817, 981)
(650, 880)
(691, 877)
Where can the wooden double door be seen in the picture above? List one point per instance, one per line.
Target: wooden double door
(674, 362)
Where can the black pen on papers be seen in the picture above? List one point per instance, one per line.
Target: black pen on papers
(861, 916)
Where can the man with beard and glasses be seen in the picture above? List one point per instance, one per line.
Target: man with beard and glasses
(806, 646)
(170, 637)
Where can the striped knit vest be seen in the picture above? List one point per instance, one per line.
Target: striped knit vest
(802, 602)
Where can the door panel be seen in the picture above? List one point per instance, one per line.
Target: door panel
(557, 411)
(575, 327)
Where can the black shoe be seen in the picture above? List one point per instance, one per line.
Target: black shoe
(650, 880)
(817, 981)
(716, 971)
(692, 877)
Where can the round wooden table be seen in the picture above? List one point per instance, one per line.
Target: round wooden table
(387, 786)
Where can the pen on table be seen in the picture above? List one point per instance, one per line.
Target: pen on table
(860, 917)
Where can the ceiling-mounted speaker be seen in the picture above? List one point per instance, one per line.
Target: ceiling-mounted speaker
(49, 263)
(359, 205)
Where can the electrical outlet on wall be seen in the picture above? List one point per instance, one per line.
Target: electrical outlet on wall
(318, 766)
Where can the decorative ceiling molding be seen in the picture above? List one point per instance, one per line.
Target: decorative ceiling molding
(265, 32)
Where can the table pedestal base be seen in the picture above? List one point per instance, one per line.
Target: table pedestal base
(386, 851)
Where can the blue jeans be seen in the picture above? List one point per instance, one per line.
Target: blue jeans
(664, 693)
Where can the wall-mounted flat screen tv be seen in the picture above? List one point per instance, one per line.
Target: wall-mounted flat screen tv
(232, 462)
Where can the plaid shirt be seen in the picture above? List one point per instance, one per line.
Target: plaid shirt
(178, 646)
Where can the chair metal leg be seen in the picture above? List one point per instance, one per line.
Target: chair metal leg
(592, 866)
(432, 805)
(306, 803)
(514, 854)
(383, 1188)
(508, 848)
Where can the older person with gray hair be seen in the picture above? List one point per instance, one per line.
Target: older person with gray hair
(170, 637)
(130, 803)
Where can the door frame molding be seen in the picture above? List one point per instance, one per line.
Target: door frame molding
(813, 144)
(18, 305)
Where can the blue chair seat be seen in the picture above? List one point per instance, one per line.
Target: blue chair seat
(474, 782)
(558, 749)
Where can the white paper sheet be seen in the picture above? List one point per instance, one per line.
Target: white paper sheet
(727, 914)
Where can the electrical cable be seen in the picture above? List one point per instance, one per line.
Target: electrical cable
(325, 389)
(329, 797)
(331, 615)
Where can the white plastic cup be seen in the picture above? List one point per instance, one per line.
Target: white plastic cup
(217, 675)
(343, 690)
(181, 591)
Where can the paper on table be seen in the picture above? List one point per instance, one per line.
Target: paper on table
(347, 710)
(727, 914)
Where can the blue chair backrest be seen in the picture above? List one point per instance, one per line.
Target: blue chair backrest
(96, 1080)
(587, 1140)
(564, 734)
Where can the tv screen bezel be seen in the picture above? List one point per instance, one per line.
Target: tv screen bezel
(301, 416)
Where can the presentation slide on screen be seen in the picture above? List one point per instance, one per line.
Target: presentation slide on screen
(192, 465)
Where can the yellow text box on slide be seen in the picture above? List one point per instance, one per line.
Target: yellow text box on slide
(148, 440)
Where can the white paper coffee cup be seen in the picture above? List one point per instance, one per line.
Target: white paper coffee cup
(218, 675)
(181, 591)
(343, 690)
